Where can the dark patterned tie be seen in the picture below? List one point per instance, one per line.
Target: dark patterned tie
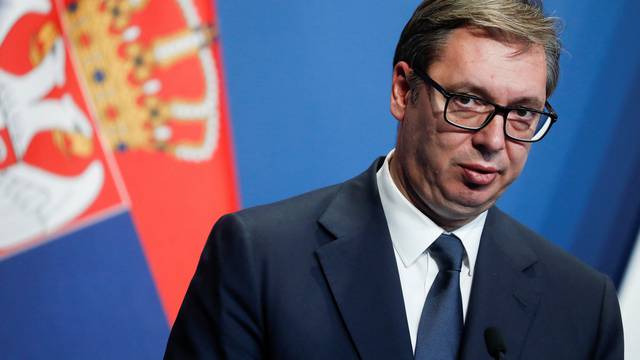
(440, 327)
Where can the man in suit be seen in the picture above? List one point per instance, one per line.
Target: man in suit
(411, 259)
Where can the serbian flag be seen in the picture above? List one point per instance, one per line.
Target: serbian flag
(115, 160)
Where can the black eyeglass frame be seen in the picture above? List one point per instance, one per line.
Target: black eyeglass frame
(499, 109)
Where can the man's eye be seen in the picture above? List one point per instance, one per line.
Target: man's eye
(465, 101)
(523, 115)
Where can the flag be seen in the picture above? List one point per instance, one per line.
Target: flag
(115, 159)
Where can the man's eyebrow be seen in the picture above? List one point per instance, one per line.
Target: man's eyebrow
(527, 101)
(472, 89)
(469, 88)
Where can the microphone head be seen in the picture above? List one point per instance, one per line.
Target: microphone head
(495, 343)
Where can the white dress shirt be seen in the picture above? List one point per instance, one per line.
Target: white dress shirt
(412, 233)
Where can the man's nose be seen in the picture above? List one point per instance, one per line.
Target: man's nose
(491, 138)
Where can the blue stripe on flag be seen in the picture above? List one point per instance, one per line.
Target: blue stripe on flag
(88, 295)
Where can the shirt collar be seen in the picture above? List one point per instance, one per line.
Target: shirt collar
(412, 232)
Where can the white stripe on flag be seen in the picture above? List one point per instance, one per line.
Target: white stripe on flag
(629, 300)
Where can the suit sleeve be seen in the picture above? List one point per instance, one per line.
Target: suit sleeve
(610, 342)
(219, 317)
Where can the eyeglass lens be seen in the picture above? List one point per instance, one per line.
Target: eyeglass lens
(473, 113)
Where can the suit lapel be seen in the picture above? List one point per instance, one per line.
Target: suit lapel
(361, 271)
(505, 291)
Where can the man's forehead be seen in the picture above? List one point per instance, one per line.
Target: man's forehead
(475, 43)
(504, 68)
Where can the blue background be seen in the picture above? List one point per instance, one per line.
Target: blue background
(309, 94)
(308, 84)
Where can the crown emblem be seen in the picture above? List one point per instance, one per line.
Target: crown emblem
(154, 85)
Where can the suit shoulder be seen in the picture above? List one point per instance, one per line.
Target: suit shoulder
(288, 212)
(558, 261)
(283, 224)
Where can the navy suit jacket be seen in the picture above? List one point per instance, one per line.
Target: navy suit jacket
(315, 277)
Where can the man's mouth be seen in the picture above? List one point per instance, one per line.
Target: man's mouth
(479, 175)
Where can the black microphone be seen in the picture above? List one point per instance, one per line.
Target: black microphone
(495, 343)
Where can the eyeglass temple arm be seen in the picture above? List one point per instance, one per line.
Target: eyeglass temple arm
(553, 113)
(421, 74)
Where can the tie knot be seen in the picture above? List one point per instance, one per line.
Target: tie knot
(448, 252)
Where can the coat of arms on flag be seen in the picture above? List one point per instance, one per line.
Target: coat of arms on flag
(54, 172)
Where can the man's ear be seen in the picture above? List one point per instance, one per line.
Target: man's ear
(400, 90)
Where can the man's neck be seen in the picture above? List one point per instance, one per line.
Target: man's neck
(444, 222)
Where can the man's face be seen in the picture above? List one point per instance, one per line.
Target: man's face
(451, 174)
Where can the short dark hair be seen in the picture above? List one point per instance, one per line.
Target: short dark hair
(425, 34)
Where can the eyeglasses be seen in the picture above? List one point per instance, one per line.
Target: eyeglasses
(473, 113)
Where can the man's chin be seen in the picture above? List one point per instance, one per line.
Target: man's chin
(471, 204)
